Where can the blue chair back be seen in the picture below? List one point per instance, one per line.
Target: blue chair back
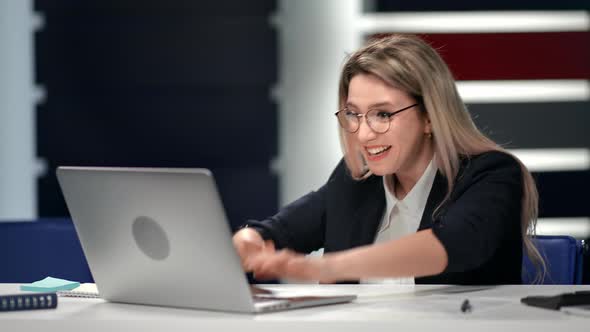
(33, 250)
(564, 259)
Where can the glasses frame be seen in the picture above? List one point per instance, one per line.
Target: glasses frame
(360, 115)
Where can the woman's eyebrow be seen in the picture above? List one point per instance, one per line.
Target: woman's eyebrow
(349, 104)
(385, 103)
(379, 104)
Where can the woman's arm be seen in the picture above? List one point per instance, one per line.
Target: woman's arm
(415, 255)
(418, 254)
(484, 214)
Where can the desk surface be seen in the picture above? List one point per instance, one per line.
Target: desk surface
(378, 307)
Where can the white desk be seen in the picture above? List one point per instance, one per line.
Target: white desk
(378, 308)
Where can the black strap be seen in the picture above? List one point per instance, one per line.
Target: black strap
(557, 301)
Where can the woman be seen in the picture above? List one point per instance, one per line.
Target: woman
(421, 196)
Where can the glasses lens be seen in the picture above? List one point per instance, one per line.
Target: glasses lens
(348, 120)
(379, 120)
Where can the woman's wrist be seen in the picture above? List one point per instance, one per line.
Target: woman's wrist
(331, 269)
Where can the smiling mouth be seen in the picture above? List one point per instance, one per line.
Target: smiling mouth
(378, 150)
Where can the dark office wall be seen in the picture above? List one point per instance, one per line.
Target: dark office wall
(174, 83)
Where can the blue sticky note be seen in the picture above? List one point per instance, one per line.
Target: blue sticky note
(50, 284)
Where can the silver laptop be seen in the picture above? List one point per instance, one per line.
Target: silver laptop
(160, 237)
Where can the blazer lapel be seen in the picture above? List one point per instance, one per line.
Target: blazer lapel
(369, 212)
(437, 193)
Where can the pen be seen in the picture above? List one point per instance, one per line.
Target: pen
(466, 306)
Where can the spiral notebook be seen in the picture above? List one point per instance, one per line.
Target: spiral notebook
(88, 290)
(27, 301)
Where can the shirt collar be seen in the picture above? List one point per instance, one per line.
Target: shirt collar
(415, 200)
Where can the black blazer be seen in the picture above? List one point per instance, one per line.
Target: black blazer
(479, 226)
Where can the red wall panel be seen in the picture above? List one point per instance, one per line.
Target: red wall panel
(515, 56)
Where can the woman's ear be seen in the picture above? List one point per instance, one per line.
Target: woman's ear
(427, 125)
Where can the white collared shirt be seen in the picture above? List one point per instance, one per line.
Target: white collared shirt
(402, 217)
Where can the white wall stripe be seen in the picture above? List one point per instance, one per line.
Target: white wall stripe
(18, 178)
(576, 227)
(524, 91)
(314, 37)
(475, 21)
(548, 160)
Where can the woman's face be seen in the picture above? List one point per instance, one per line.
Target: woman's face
(405, 145)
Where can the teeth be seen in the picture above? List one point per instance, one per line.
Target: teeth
(375, 151)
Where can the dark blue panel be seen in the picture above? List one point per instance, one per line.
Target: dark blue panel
(563, 194)
(31, 251)
(159, 127)
(160, 83)
(535, 125)
(192, 7)
(247, 192)
(458, 5)
(122, 50)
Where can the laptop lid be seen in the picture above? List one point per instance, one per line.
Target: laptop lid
(160, 236)
(156, 236)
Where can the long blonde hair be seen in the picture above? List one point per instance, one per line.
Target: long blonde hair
(408, 63)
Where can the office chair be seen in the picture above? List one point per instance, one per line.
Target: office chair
(564, 259)
(33, 250)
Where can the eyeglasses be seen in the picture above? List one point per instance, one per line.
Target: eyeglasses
(378, 120)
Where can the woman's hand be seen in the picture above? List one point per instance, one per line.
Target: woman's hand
(249, 243)
(419, 254)
(288, 264)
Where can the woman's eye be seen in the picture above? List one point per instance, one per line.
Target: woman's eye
(383, 115)
(350, 114)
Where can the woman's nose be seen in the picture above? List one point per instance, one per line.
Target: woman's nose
(365, 133)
